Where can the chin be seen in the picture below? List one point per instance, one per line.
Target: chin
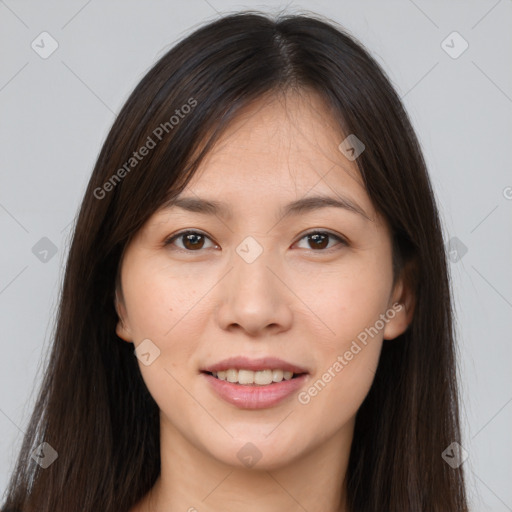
(258, 451)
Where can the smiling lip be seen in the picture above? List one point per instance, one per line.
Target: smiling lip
(263, 363)
(255, 396)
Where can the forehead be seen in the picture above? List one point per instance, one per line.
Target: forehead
(286, 145)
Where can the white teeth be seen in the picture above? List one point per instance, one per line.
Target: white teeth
(248, 377)
(232, 375)
(277, 375)
(263, 377)
(245, 377)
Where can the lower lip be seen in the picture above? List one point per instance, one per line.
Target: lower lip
(255, 397)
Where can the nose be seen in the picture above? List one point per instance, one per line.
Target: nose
(254, 298)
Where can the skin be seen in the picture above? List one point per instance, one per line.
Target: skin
(297, 302)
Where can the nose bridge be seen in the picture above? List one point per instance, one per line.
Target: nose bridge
(253, 277)
(252, 297)
(255, 288)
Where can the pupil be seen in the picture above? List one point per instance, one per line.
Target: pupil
(195, 240)
(317, 238)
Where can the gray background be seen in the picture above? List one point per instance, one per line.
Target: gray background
(56, 113)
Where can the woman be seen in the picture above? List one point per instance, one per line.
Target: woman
(256, 311)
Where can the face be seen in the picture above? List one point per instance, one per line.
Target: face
(287, 268)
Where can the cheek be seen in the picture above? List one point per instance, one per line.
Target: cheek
(350, 303)
(348, 299)
(167, 308)
(158, 300)
(335, 395)
(346, 361)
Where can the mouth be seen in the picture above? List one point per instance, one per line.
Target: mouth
(255, 384)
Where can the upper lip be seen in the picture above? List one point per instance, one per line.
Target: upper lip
(262, 363)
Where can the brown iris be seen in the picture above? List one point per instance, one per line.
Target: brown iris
(193, 241)
(320, 240)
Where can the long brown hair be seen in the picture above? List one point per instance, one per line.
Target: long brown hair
(93, 407)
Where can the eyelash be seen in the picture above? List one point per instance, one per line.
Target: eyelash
(169, 241)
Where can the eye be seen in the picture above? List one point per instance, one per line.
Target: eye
(194, 241)
(191, 241)
(319, 240)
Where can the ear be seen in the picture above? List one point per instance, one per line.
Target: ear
(122, 327)
(402, 304)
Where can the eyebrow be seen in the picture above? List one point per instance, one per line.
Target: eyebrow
(300, 206)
